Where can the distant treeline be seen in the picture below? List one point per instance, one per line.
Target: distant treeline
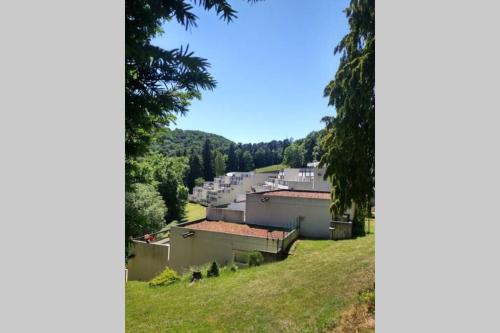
(242, 156)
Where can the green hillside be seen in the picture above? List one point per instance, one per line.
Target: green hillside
(271, 168)
(175, 142)
(248, 156)
(310, 291)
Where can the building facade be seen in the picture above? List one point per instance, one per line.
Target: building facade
(308, 211)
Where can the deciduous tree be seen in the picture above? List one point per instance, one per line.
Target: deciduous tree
(144, 210)
(294, 155)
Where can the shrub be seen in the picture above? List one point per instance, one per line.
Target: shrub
(195, 276)
(192, 272)
(168, 276)
(255, 258)
(213, 270)
(233, 268)
(199, 181)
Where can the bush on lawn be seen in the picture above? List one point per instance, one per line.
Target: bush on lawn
(213, 271)
(194, 270)
(255, 258)
(168, 276)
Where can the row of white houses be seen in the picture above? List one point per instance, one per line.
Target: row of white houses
(233, 187)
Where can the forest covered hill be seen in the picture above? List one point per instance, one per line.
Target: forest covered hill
(180, 142)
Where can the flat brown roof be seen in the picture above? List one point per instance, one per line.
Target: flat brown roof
(299, 194)
(237, 229)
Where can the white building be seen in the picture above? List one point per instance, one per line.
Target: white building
(309, 178)
(226, 189)
(308, 211)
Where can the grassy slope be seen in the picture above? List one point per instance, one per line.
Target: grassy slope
(271, 168)
(194, 211)
(305, 293)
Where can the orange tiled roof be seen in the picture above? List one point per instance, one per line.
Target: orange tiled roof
(236, 228)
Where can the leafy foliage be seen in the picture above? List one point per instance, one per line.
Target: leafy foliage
(199, 181)
(157, 196)
(349, 142)
(312, 148)
(219, 163)
(179, 142)
(167, 175)
(174, 143)
(168, 276)
(246, 161)
(175, 195)
(159, 84)
(255, 258)
(144, 210)
(294, 155)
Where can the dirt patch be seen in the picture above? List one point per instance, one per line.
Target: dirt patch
(357, 319)
(360, 316)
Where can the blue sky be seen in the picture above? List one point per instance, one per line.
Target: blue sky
(271, 64)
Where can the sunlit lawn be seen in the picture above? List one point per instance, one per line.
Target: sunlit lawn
(271, 168)
(195, 211)
(306, 292)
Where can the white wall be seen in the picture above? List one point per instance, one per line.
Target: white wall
(319, 183)
(149, 261)
(238, 206)
(285, 212)
(295, 185)
(291, 174)
(206, 246)
(224, 214)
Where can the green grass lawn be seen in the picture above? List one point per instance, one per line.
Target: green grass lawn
(307, 292)
(271, 168)
(195, 212)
